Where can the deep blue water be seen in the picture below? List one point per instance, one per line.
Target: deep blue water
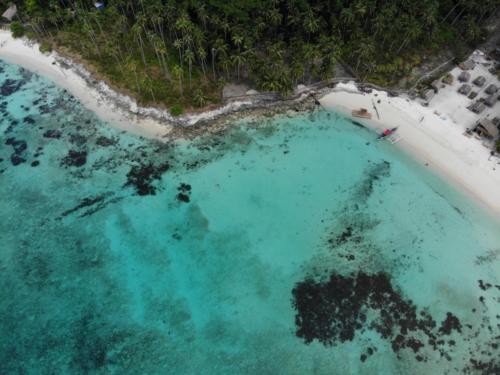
(290, 245)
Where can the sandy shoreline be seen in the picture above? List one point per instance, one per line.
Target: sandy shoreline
(436, 142)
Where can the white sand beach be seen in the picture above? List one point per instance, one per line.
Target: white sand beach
(437, 141)
(28, 55)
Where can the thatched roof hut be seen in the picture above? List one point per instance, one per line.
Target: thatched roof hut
(10, 13)
(479, 81)
(487, 129)
(490, 100)
(464, 77)
(491, 89)
(464, 89)
(477, 107)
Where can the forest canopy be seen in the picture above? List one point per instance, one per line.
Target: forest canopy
(179, 53)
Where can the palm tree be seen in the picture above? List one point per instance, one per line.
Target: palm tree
(237, 40)
(137, 33)
(202, 55)
(178, 73)
(189, 57)
(199, 98)
(178, 44)
(237, 60)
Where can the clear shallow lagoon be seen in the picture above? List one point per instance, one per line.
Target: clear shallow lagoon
(292, 245)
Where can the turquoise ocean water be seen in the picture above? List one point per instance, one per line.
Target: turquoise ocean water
(293, 245)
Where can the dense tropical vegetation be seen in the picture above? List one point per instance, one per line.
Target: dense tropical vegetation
(179, 53)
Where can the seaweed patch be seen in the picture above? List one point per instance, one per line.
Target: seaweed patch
(74, 158)
(10, 86)
(20, 147)
(142, 176)
(334, 310)
(184, 193)
(93, 204)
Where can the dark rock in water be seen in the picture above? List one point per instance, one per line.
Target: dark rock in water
(16, 159)
(1, 160)
(44, 109)
(334, 310)
(35, 163)
(29, 120)
(75, 158)
(184, 188)
(17, 144)
(53, 133)
(449, 324)
(141, 177)
(104, 141)
(10, 86)
(183, 197)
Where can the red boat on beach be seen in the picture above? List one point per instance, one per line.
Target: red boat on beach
(387, 133)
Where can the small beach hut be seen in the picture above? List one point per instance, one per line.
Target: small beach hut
(10, 13)
(487, 129)
(464, 89)
(464, 77)
(479, 81)
(467, 65)
(490, 100)
(428, 94)
(477, 107)
(491, 89)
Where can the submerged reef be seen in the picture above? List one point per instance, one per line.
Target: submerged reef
(142, 176)
(333, 311)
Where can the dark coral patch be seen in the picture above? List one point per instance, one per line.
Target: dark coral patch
(141, 177)
(10, 86)
(104, 141)
(184, 187)
(181, 197)
(16, 159)
(53, 133)
(333, 311)
(28, 120)
(74, 158)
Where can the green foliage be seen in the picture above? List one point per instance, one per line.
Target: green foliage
(17, 29)
(45, 47)
(169, 51)
(176, 110)
(199, 98)
(498, 145)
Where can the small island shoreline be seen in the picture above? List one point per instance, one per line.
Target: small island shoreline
(463, 161)
(121, 110)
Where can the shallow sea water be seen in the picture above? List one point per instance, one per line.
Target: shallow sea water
(291, 245)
